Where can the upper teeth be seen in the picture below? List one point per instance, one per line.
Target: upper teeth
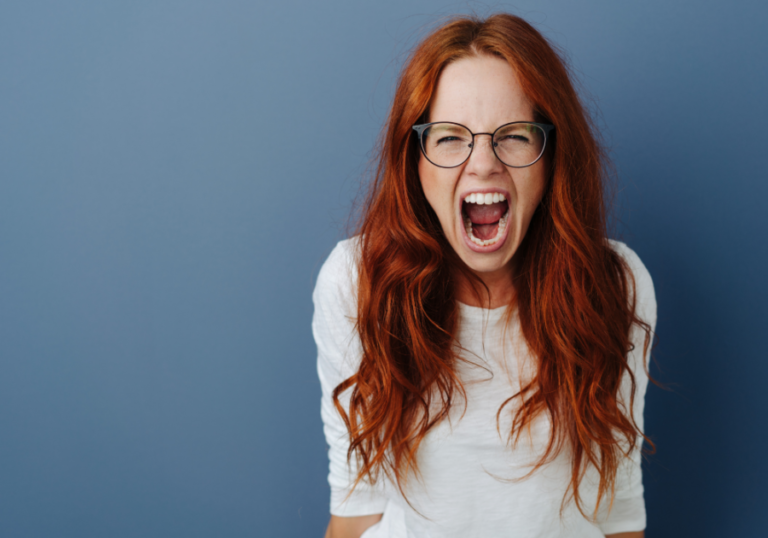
(484, 198)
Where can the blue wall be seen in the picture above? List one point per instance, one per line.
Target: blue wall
(160, 232)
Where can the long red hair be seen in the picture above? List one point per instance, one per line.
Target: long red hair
(574, 293)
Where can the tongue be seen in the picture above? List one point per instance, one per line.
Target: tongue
(486, 213)
(485, 218)
(485, 231)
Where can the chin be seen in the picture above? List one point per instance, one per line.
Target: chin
(486, 263)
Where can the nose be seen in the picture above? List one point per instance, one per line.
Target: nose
(483, 161)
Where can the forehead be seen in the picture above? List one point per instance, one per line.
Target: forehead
(481, 92)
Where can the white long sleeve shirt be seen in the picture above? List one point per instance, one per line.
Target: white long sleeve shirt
(466, 464)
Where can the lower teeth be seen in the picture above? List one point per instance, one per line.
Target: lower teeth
(486, 242)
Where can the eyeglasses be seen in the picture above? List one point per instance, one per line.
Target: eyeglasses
(517, 144)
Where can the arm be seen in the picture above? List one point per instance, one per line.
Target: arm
(352, 527)
(339, 354)
(628, 511)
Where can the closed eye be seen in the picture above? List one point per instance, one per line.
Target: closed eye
(514, 138)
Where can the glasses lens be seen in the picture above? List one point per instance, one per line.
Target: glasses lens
(519, 144)
(447, 144)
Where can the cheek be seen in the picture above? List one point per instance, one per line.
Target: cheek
(532, 190)
(430, 184)
(532, 197)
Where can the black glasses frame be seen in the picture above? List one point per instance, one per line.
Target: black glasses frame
(420, 128)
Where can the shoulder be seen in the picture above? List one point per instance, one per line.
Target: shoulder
(645, 295)
(335, 294)
(333, 321)
(640, 273)
(338, 273)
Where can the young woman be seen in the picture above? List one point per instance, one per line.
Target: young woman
(482, 345)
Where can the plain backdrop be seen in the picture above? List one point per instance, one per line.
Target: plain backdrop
(174, 173)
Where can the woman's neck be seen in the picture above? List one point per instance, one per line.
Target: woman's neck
(500, 286)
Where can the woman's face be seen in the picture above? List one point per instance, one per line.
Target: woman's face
(482, 93)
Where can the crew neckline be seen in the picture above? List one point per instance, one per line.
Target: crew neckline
(479, 313)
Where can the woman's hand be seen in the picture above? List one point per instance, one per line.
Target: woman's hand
(354, 527)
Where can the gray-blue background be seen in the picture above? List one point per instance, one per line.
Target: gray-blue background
(172, 174)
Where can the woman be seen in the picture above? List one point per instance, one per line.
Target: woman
(482, 345)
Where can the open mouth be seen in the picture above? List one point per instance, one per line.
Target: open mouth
(485, 217)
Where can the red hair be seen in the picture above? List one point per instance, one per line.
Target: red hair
(575, 295)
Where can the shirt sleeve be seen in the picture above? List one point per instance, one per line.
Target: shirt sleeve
(338, 357)
(628, 511)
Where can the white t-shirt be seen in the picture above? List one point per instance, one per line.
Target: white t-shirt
(465, 463)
